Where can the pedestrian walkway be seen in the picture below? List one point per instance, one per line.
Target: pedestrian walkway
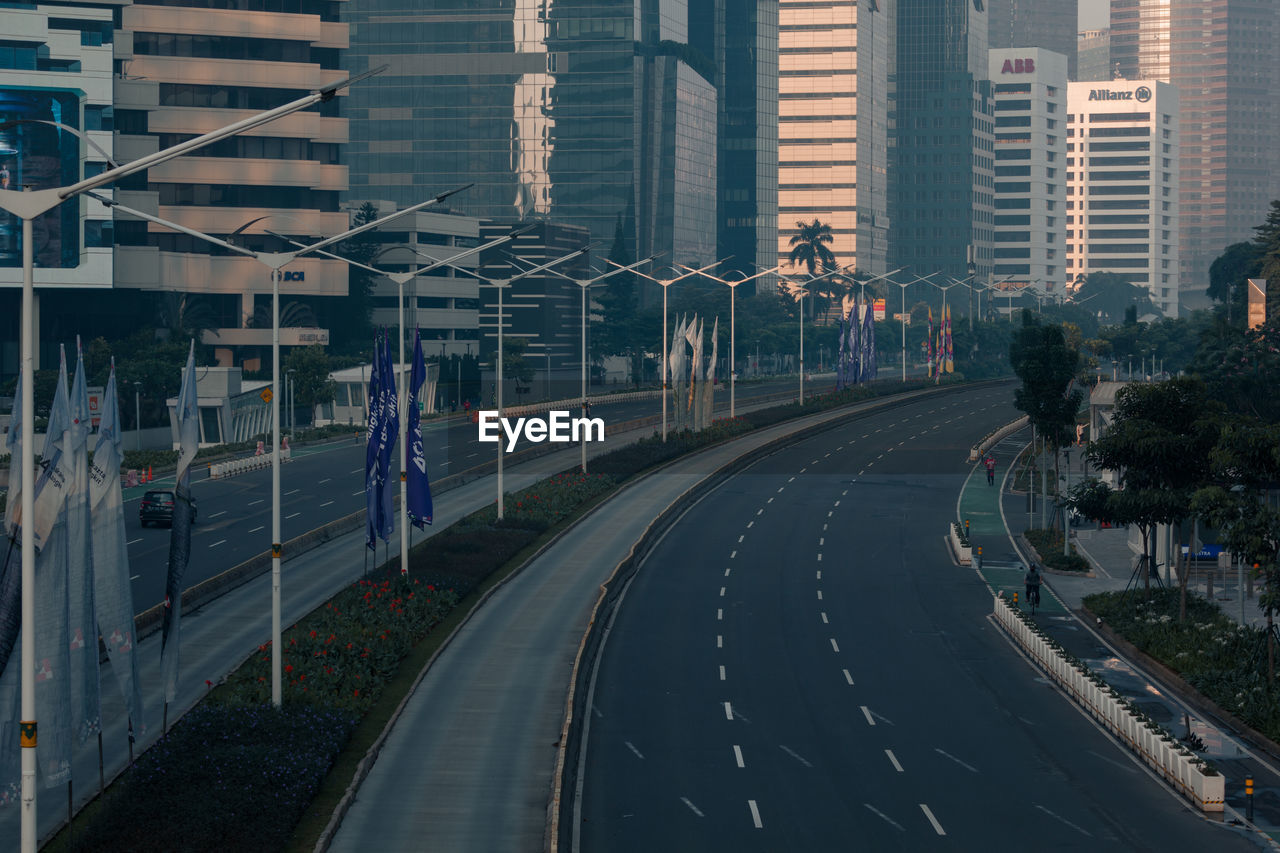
(995, 515)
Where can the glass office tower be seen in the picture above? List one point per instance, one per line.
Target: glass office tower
(1050, 24)
(579, 112)
(942, 201)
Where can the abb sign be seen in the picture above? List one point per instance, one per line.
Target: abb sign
(1018, 66)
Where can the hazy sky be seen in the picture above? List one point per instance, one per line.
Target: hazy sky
(1094, 14)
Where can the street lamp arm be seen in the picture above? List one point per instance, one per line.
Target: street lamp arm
(550, 264)
(368, 226)
(328, 254)
(173, 225)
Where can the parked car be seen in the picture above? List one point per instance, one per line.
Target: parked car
(157, 506)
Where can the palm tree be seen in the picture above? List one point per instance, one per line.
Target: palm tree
(808, 248)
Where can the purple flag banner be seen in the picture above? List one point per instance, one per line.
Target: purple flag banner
(371, 487)
(389, 431)
(418, 483)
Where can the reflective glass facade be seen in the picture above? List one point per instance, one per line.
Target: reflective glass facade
(942, 201)
(1050, 24)
(542, 105)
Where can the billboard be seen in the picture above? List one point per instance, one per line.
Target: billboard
(40, 156)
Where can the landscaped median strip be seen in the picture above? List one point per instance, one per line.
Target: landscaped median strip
(1190, 775)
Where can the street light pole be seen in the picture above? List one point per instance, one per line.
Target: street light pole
(137, 411)
(903, 316)
(733, 335)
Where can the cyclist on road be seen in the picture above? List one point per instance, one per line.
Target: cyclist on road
(1032, 581)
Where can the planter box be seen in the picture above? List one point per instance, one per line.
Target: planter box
(964, 553)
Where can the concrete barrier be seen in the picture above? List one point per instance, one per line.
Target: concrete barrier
(1178, 766)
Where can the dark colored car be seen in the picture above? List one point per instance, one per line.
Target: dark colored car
(157, 506)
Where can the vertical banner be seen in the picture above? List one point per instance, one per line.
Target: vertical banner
(950, 355)
(86, 708)
(929, 343)
(188, 416)
(389, 432)
(113, 592)
(371, 489)
(11, 564)
(869, 366)
(418, 484)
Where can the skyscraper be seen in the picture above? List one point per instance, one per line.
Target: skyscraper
(942, 197)
(1220, 56)
(578, 113)
(834, 60)
(1050, 24)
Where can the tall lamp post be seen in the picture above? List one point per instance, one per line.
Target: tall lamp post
(28, 204)
(664, 283)
(275, 261)
(585, 284)
(903, 315)
(733, 359)
(799, 292)
(137, 411)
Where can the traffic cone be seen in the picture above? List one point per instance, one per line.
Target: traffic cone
(149, 476)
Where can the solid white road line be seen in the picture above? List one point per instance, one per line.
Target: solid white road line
(1064, 820)
(632, 747)
(755, 814)
(885, 817)
(847, 676)
(834, 647)
(737, 754)
(937, 827)
(893, 760)
(968, 767)
(866, 712)
(691, 806)
(794, 755)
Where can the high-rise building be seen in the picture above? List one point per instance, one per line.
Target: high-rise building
(834, 59)
(743, 46)
(213, 64)
(1093, 56)
(1220, 56)
(1050, 24)
(942, 199)
(1030, 91)
(1122, 184)
(579, 113)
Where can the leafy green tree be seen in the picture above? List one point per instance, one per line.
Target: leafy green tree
(1111, 295)
(1229, 275)
(1242, 366)
(311, 383)
(347, 317)
(1267, 242)
(1159, 445)
(514, 364)
(621, 333)
(1245, 467)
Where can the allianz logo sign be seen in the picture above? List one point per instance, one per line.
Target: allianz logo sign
(1141, 94)
(558, 427)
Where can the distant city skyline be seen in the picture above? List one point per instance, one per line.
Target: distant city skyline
(1094, 14)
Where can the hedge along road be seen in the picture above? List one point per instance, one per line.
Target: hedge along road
(469, 766)
(319, 485)
(799, 663)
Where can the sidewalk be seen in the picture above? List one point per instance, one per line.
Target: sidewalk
(996, 516)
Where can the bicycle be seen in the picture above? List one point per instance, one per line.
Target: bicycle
(1033, 598)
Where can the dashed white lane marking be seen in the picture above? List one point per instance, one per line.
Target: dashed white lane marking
(733, 554)
(968, 767)
(632, 747)
(691, 806)
(750, 524)
(780, 488)
(819, 574)
(737, 755)
(837, 503)
(869, 464)
(355, 471)
(134, 577)
(1064, 820)
(354, 494)
(755, 814)
(722, 678)
(822, 540)
(937, 827)
(819, 556)
(893, 760)
(819, 595)
(824, 527)
(325, 480)
(292, 492)
(802, 470)
(830, 513)
(759, 512)
(866, 436)
(256, 529)
(719, 641)
(726, 573)
(881, 456)
(824, 618)
(728, 711)
(826, 455)
(294, 515)
(890, 450)
(794, 755)
(218, 513)
(719, 613)
(834, 647)
(260, 500)
(847, 676)
(740, 538)
(860, 473)
(722, 592)
(325, 504)
(866, 712)
(885, 817)
(791, 480)
(814, 462)
(769, 501)
(133, 541)
(219, 542)
(845, 492)
(900, 443)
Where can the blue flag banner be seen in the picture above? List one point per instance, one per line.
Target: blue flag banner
(86, 708)
(389, 431)
(371, 490)
(113, 592)
(870, 367)
(418, 483)
(188, 415)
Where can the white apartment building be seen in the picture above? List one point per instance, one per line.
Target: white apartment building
(1122, 185)
(1029, 86)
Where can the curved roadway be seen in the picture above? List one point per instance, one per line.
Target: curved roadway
(799, 665)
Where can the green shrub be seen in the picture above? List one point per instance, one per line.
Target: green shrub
(1049, 545)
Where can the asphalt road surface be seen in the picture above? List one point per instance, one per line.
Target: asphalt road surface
(800, 666)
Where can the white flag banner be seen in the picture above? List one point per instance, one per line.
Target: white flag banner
(83, 627)
(13, 446)
(180, 534)
(113, 592)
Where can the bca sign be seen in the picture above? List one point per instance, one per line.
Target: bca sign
(1018, 66)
